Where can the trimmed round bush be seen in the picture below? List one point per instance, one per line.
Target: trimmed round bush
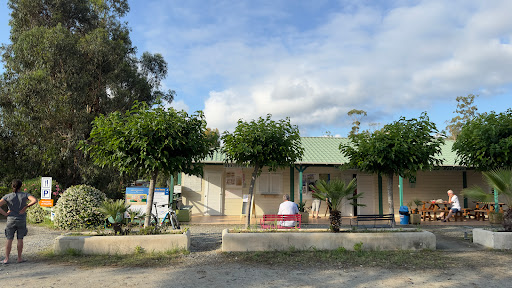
(78, 208)
(36, 214)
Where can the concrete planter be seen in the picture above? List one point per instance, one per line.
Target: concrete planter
(304, 217)
(126, 244)
(282, 241)
(415, 219)
(492, 239)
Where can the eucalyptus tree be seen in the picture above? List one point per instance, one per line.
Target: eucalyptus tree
(147, 141)
(262, 143)
(400, 148)
(68, 62)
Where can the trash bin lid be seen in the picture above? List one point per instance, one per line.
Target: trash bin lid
(403, 209)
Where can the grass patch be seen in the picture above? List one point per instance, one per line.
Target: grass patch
(425, 259)
(139, 258)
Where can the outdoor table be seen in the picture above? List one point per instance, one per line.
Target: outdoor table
(434, 208)
(485, 207)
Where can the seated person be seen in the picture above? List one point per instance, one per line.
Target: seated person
(454, 200)
(288, 208)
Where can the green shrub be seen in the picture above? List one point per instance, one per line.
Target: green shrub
(79, 208)
(4, 191)
(36, 214)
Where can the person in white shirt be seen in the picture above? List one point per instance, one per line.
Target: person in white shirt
(288, 208)
(454, 200)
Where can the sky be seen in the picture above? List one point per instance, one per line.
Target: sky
(313, 61)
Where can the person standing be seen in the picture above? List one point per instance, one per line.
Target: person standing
(454, 200)
(288, 208)
(16, 218)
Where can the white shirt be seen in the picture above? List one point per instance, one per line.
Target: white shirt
(288, 208)
(455, 202)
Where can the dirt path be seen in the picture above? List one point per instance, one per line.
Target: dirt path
(205, 267)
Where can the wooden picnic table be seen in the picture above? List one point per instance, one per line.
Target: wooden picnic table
(483, 208)
(431, 208)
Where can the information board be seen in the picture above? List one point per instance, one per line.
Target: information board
(137, 198)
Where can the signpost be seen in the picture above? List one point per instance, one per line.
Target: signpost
(46, 192)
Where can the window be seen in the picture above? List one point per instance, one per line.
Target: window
(270, 183)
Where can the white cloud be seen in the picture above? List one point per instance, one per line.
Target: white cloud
(383, 60)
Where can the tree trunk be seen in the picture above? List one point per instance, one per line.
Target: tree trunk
(251, 192)
(507, 220)
(335, 219)
(149, 204)
(391, 209)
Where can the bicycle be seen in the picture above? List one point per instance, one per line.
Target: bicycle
(170, 216)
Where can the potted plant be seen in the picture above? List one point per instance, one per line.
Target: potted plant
(114, 213)
(336, 191)
(303, 213)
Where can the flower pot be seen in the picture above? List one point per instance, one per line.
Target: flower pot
(304, 217)
(495, 218)
(415, 219)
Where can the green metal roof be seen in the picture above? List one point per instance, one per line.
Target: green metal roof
(325, 151)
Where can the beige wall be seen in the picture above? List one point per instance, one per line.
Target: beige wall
(429, 185)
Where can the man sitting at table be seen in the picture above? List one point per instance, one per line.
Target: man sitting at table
(454, 200)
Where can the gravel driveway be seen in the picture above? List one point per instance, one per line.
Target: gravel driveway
(205, 267)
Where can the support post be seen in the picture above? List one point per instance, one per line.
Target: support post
(179, 178)
(171, 190)
(464, 186)
(401, 189)
(301, 169)
(292, 184)
(379, 181)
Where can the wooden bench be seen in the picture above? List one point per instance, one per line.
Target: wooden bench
(367, 218)
(273, 221)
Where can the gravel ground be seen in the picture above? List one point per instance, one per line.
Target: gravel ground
(205, 267)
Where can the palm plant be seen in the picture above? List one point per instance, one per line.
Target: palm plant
(501, 181)
(336, 191)
(114, 212)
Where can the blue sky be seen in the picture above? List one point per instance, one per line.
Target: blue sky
(314, 61)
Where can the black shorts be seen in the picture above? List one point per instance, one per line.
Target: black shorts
(15, 225)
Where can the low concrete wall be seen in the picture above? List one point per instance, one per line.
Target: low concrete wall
(122, 244)
(491, 239)
(280, 241)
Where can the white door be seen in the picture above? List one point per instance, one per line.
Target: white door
(213, 194)
(365, 185)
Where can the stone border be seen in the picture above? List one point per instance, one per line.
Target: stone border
(282, 241)
(111, 245)
(491, 239)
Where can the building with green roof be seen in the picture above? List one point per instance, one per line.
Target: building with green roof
(224, 188)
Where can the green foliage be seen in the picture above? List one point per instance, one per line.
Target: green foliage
(261, 143)
(358, 247)
(114, 210)
(501, 181)
(486, 141)
(302, 206)
(69, 61)
(37, 214)
(4, 191)
(79, 208)
(400, 148)
(264, 142)
(466, 111)
(336, 191)
(145, 140)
